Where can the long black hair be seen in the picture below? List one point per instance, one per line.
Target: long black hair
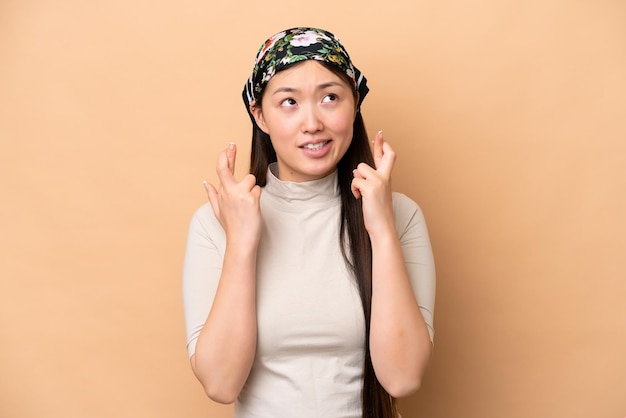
(354, 240)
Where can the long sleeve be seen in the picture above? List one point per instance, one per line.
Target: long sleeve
(202, 268)
(418, 255)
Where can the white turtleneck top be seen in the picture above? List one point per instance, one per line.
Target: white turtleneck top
(311, 330)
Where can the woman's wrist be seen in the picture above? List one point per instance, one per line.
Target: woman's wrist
(383, 234)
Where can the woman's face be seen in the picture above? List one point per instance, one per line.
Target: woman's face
(308, 112)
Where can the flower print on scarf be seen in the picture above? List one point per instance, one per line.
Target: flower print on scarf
(294, 45)
(308, 38)
(268, 44)
(268, 74)
(350, 73)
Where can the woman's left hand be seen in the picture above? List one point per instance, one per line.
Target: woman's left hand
(373, 186)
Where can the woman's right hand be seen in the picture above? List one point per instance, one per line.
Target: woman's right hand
(224, 369)
(236, 204)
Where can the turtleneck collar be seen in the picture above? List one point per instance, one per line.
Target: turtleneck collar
(324, 190)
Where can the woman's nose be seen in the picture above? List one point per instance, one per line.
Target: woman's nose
(311, 121)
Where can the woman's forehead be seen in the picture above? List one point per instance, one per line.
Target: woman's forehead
(306, 73)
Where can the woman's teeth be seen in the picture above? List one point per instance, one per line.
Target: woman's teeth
(316, 147)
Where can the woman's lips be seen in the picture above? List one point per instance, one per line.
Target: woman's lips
(315, 146)
(316, 149)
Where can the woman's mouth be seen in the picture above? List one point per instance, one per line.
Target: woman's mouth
(315, 146)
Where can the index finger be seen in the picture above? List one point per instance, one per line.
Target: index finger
(387, 160)
(378, 149)
(224, 172)
(231, 154)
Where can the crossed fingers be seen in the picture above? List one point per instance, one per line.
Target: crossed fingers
(230, 190)
(384, 160)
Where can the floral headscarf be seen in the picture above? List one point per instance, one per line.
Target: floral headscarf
(298, 44)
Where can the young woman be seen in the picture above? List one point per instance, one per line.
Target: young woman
(308, 284)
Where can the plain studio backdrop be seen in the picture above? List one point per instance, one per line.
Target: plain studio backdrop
(508, 119)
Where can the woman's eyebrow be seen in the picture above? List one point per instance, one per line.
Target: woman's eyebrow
(287, 89)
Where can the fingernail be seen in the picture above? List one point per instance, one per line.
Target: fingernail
(231, 145)
(380, 133)
(204, 183)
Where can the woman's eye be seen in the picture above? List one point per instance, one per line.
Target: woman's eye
(288, 102)
(329, 98)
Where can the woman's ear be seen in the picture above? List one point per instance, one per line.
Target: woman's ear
(257, 113)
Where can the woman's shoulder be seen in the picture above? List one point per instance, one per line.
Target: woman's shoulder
(406, 211)
(204, 220)
(403, 204)
(204, 213)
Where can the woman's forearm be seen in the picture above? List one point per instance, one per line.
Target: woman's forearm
(227, 343)
(400, 344)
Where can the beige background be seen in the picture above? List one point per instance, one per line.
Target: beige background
(508, 118)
